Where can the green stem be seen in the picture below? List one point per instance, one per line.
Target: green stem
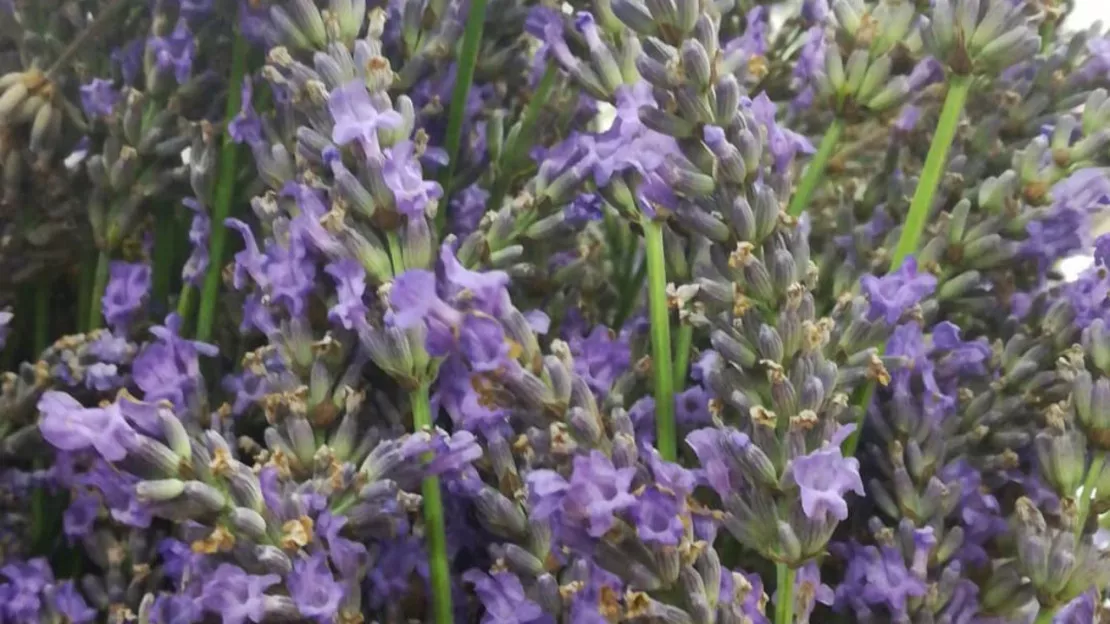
(100, 282)
(935, 163)
(1045, 616)
(434, 531)
(42, 319)
(396, 256)
(660, 340)
(464, 76)
(229, 153)
(185, 302)
(523, 137)
(816, 169)
(1093, 473)
(162, 269)
(784, 603)
(682, 354)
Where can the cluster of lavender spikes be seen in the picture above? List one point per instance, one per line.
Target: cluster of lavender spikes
(521, 311)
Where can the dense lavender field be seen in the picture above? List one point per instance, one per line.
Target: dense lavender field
(544, 312)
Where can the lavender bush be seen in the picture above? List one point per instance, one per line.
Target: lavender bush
(576, 312)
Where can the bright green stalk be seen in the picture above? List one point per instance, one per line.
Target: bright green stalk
(100, 282)
(225, 191)
(660, 340)
(816, 169)
(464, 76)
(784, 603)
(434, 532)
(682, 354)
(935, 163)
(1045, 616)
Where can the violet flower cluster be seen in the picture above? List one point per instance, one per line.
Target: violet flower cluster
(516, 311)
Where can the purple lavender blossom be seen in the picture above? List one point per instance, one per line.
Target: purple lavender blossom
(21, 596)
(77, 522)
(246, 126)
(504, 599)
(907, 119)
(129, 60)
(824, 477)
(893, 294)
(199, 229)
(313, 588)
(743, 594)
(397, 562)
(356, 117)
(128, 287)
(877, 577)
(1098, 65)
(175, 52)
(785, 144)
(815, 10)
(585, 208)
(99, 98)
(1066, 227)
(754, 40)
(600, 358)
(346, 555)
(68, 603)
(169, 367)
(235, 595)
(1102, 250)
(117, 491)
(404, 176)
(175, 609)
(68, 426)
(657, 517)
(597, 491)
(350, 285)
(467, 209)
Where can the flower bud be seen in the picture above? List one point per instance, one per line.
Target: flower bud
(248, 523)
(499, 514)
(159, 490)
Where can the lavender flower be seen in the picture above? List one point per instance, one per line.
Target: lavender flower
(99, 98)
(892, 295)
(128, 287)
(824, 477)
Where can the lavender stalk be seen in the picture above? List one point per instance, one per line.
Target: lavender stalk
(434, 531)
(816, 169)
(784, 603)
(660, 339)
(229, 156)
(100, 281)
(935, 164)
(464, 76)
